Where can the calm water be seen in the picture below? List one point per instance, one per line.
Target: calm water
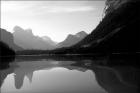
(50, 76)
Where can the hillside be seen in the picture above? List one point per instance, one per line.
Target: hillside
(118, 31)
(72, 39)
(5, 50)
(8, 38)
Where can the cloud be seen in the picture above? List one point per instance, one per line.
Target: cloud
(38, 8)
(13, 6)
(68, 9)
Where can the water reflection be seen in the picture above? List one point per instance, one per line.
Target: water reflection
(116, 74)
(4, 64)
(4, 61)
(79, 76)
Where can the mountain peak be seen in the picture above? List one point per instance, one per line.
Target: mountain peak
(18, 28)
(81, 34)
(72, 39)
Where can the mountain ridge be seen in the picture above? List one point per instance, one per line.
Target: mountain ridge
(31, 41)
(72, 39)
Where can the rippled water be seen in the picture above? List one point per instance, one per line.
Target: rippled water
(50, 76)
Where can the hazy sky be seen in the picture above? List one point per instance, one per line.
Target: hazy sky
(55, 19)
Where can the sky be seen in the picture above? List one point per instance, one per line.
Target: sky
(55, 19)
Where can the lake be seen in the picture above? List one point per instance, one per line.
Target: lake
(67, 76)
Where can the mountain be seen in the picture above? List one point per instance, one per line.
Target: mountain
(118, 31)
(8, 38)
(72, 39)
(27, 40)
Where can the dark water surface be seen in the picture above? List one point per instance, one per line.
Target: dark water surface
(66, 76)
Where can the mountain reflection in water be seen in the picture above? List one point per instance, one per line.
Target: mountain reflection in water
(66, 76)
